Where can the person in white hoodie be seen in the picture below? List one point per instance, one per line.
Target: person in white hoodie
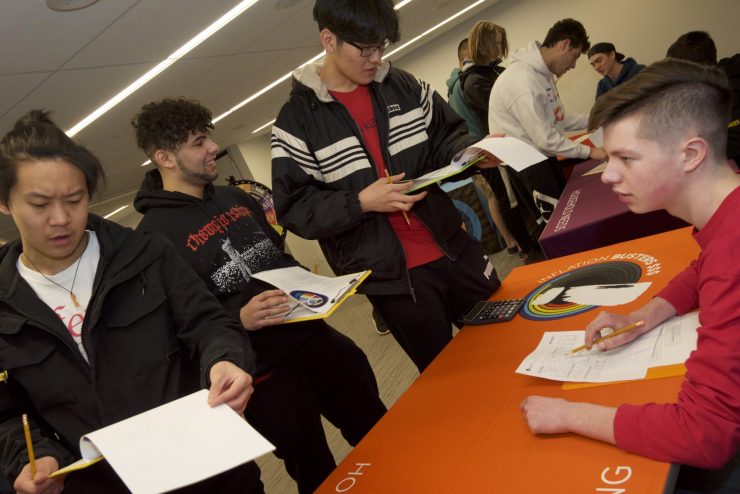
(525, 104)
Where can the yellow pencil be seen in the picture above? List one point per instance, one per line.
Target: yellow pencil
(611, 335)
(29, 446)
(405, 215)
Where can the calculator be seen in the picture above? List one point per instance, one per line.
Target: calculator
(490, 311)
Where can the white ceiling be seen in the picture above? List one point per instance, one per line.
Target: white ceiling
(72, 62)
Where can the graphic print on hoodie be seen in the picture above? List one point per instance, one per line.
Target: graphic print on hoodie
(224, 236)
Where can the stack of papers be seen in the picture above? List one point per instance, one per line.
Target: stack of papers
(667, 344)
(511, 151)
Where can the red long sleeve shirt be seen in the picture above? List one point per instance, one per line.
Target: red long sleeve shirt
(703, 428)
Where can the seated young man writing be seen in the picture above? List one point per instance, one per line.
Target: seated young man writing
(665, 133)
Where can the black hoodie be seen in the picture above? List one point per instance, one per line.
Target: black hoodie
(225, 237)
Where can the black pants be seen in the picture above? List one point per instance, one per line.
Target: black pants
(99, 478)
(513, 217)
(328, 375)
(725, 480)
(444, 290)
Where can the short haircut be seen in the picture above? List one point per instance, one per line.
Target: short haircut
(569, 29)
(359, 21)
(694, 46)
(36, 137)
(483, 46)
(463, 51)
(670, 97)
(168, 123)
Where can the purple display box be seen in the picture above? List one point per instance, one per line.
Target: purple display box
(589, 215)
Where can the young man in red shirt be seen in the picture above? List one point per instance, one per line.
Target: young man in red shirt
(353, 129)
(665, 133)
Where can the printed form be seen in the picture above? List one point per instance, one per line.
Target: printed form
(668, 343)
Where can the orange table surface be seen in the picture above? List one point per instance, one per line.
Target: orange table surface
(458, 428)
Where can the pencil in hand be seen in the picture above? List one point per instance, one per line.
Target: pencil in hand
(29, 446)
(611, 335)
(405, 214)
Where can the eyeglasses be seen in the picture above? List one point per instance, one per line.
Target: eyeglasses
(369, 51)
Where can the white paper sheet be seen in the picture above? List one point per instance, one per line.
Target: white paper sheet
(553, 359)
(176, 444)
(677, 340)
(513, 152)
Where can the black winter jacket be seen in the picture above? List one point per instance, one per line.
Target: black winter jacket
(320, 164)
(477, 82)
(150, 329)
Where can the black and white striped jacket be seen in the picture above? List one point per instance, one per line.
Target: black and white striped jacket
(319, 166)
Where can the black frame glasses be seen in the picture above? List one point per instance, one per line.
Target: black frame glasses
(369, 51)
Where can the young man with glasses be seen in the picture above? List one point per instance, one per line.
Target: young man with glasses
(353, 130)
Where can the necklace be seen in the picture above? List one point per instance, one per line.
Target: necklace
(74, 278)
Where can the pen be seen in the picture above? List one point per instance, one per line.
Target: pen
(405, 215)
(29, 446)
(611, 335)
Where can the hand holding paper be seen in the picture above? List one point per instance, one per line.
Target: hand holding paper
(388, 195)
(230, 385)
(265, 309)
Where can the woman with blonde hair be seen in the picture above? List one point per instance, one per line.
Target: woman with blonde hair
(488, 47)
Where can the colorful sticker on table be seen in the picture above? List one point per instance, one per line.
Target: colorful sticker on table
(581, 290)
(311, 300)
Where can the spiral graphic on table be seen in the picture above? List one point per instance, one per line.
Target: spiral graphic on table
(611, 272)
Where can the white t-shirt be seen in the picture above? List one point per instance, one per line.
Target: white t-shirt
(60, 300)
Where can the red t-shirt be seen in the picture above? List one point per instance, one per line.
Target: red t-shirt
(703, 428)
(415, 237)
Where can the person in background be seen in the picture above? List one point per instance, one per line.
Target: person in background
(100, 323)
(525, 104)
(699, 47)
(488, 46)
(665, 135)
(455, 93)
(615, 69)
(304, 369)
(352, 129)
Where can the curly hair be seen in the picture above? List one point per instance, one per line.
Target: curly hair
(168, 123)
(35, 137)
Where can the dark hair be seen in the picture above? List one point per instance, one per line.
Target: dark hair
(462, 50)
(483, 45)
(694, 46)
(359, 21)
(605, 47)
(168, 123)
(569, 29)
(670, 97)
(36, 137)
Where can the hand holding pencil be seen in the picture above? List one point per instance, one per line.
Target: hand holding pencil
(387, 195)
(625, 330)
(34, 477)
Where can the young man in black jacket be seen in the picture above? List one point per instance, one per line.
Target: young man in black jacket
(304, 369)
(99, 323)
(352, 128)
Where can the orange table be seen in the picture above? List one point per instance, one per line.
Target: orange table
(458, 428)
